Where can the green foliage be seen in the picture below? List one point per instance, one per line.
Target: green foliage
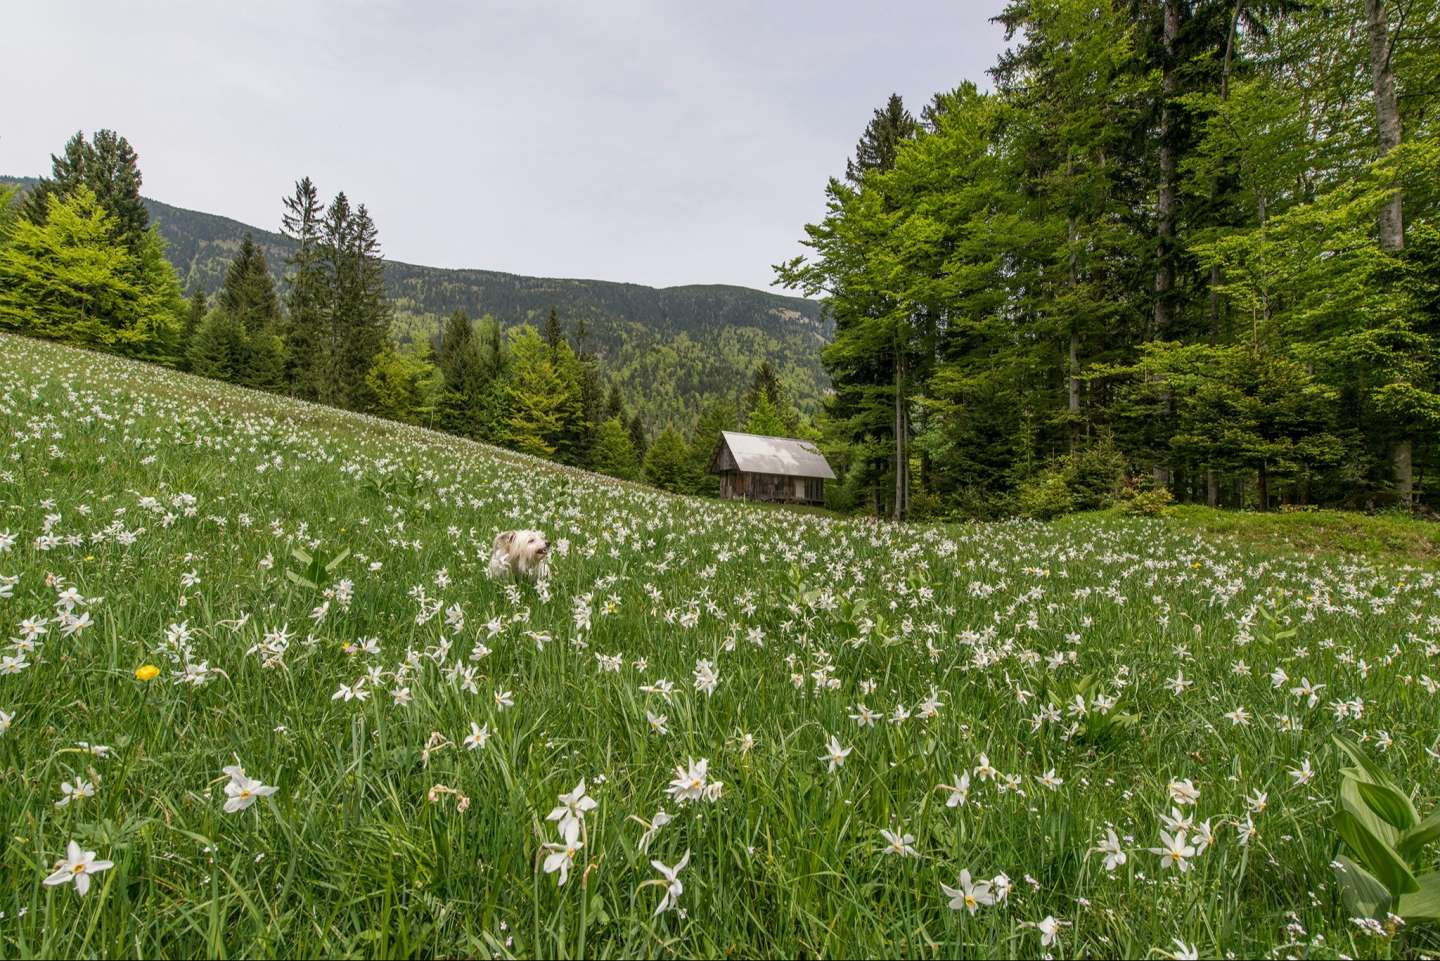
(540, 403)
(668, 463)
(1151, 502)
(1170, 238)
(1383, 832)
(402, 386)
(317, 567)
(613, 453)
(72, 279)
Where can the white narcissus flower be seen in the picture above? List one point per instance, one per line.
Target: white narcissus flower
(1174, 852)
(571, 812)
(78, 866)
(243, 791)
(479, 734)
(1110, 847)
(898, 843)
(959, 791)
(970, 895)
(673, 887)
(1049, 928)
(1184, 792)
(835, 754)
(562, 855)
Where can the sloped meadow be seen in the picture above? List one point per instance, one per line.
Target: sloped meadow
(728, 730)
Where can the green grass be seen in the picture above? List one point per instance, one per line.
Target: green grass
(804, 617)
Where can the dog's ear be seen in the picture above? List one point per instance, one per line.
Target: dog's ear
(503, 539)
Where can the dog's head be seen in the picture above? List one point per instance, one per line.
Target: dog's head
(526, 549)
(532, 545)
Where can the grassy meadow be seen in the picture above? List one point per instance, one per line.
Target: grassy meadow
(858, 712)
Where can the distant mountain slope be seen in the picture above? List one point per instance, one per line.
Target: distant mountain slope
(669, 347)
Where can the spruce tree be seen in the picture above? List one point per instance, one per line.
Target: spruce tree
(887, 129)
(194, 317)
(615, 403)
(110, 168)
(554, 333)
(639, 439)
(306, 336)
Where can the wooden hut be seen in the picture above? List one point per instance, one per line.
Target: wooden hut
(757, 468)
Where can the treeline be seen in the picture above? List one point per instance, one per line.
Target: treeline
(1185, 248)
(80, 262)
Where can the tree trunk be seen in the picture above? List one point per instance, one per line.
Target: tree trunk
(1262, 485)
(1074, 359)
(1401, 456)
(1212, 488)
(1165, 198)
(1165, 202)
(1387, 115)
(1392, 219)
(1228, 64)
(902, 445)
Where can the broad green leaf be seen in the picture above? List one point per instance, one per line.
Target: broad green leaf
(1390, 804)
(1360, 892)
(1377, 856)
(1352, 801)
(1376, 775)
(1421, 834)
(1424, 904)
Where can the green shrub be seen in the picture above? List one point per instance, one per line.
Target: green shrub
(1151, 502)
(1045, 495)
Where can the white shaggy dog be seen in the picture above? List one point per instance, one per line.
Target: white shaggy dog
(526, 553)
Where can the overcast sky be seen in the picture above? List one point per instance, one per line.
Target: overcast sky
(653, 141)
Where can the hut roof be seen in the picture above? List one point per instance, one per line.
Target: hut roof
(755, 454)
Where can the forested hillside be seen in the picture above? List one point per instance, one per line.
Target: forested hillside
(668, 348)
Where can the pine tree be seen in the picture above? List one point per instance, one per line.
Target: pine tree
(248, 292)
(246, 302)
(717, 416)
(220, 348)
(554, 333)
(764, 419)
(109, 167)
(615, 403)
(368, 330)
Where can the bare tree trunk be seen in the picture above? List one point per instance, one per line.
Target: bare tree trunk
(1229, 61)
(1212, 488)
(1392, 219)
(1165, 199)
(1074, 360)
(902, 443)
